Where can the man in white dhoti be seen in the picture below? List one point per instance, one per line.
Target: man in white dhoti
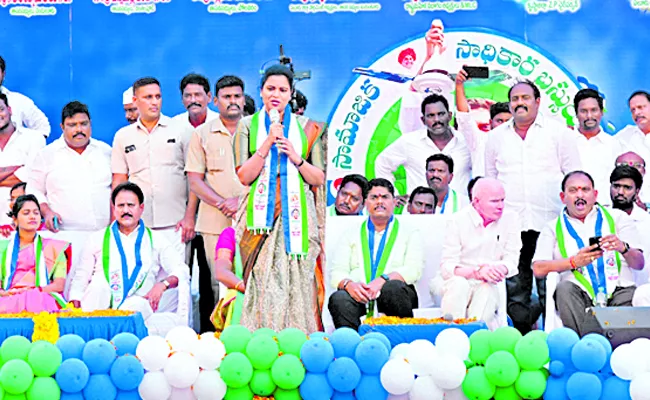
(128, 266)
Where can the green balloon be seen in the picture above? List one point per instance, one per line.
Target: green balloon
(44, 388)
(242, 393)
(476, 385)
(501, 368)
(479, 349)
(291, 341)
(16, 376)
(266, 332)
(9, 396)
(288, 372)
(538, 334)
(44, 358)
(235, 338)
(262, 383)
(15, 348)
(236, 370)
(281, 394)
(531, 384)
(262, 351)
(504, 338)
(531, 352)
(506, 393)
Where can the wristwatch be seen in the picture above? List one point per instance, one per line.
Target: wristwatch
(627, 248)
(385, 277)
(166, 283)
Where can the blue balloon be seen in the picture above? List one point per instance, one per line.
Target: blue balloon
(125, 343)
(72, 376)
(345, 342)
(316, 355)
(100, 387)
(318, 335)
(588, 355)
(99, 355)
(127, 373)
(379, 336)
(556, 368)
(556, 388)
(72, 396)
(603, 341)
(316, 387)
(584, 386)
(370, 388)
(343, 396)
(560, 342)
(371, 355)
(607, 369)
(343, 374)
(130, 395)
(71, 346)
(616, 388)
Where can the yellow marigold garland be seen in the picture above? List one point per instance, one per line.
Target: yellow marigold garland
(416, 321)
(46, 327)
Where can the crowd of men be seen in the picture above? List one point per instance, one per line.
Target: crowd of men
(537, 192)
(525, 202)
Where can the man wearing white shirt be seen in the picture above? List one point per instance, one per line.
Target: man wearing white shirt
(380, 261)
(481, 249)
(196, 95)
(127, 245)
(18, 147)
(475, 138)
(24, 111)
(411, 150)
(625, 184)
(598, 150)
(598, 274)
(530, 154)
(151, 153)
(130, 109)
(635, 161)
(71, 178)
(440, 174)
(636, 137)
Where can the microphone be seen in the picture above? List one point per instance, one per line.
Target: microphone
(274, 114)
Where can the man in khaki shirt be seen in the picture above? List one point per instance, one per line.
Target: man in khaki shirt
(210, 168)
(151, 153)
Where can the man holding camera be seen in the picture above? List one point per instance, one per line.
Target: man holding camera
(594, 249)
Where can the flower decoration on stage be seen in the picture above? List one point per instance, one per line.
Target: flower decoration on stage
(416, 321)
(46, 327)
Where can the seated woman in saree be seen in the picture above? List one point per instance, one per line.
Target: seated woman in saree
(280, 156)
(33, 269)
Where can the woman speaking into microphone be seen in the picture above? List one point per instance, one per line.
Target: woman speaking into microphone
(279, 156)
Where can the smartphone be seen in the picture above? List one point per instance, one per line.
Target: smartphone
(477, 72)
(595, 240)
(55, 222)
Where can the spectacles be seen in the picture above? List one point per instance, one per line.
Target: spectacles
(636, 165)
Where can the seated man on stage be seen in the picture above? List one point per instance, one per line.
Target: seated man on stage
(423, 200)
(120, 266)
(379, 262)
(350, 197)
(33, 268)
(594, 249)
(481, 249)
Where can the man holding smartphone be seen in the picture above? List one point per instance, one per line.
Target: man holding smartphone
(598, 274)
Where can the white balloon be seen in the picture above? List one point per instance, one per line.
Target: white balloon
(642, 349)
(209, 351)
(425, 388)
(626, 363)
(398, 397)
(209, 386)
(153, 351)
(399, 351)
(422, 355)
(182, 394)
(640, 387)
(448, 372)
(182, 338)
(456, 394)
(453, 341)
(397, 376)
(154, 386)
(181, 370)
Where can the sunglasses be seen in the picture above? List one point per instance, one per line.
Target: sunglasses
(636, 165)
